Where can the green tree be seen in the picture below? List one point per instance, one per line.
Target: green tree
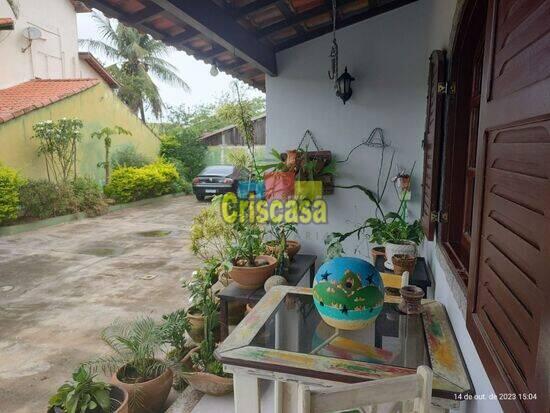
(105, 135)
(184, 148)
(137, 58)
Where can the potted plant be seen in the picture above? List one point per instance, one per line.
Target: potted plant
(248, 267)
(200, 288)
(135, 365)
(85, 395)
(201, 369)
(280, 234)
(279, 182)
(397, 236)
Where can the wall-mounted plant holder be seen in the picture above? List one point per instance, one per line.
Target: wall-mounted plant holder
(315, 166)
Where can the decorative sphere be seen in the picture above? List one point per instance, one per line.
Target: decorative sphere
(348, 293)
(273, 281)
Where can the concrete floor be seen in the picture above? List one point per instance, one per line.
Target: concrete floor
(59, 286)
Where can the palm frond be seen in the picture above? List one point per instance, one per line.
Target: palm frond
(167, 75)
(100, 47)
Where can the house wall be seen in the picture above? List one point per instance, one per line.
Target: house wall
(97, 107)
(53, 56)
(388, 55)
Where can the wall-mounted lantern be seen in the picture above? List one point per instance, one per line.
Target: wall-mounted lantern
(343, 86)
(342, 83)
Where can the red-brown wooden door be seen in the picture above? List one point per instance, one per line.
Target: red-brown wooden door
(509, 300)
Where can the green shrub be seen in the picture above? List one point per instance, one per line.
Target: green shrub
(130, 184)
(185, 146)
(44, 199)
(89, 197)
(9, 194)
(127, 155)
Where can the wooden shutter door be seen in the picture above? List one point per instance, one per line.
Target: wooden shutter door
(432, 142)
(509, 300)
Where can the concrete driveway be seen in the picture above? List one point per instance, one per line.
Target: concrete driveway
(59, 286)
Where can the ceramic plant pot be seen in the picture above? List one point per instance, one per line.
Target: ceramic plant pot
(146, 397)
(279, 185)
(400, 247)
(411, 299)
(196, 320)
(402, 263)
(348, 292)
(119, 399)
(252, 278)
(375, 252)
(206, 382)
(292, 248)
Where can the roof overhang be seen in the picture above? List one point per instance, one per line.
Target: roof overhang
(241, 37)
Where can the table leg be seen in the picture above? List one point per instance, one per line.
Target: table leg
(224, 319)
(311, 275)
(247, 393)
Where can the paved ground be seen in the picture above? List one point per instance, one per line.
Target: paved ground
(59, 286)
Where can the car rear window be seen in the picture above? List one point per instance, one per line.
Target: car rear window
(221, 170)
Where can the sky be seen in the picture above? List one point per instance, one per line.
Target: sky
(204, 87)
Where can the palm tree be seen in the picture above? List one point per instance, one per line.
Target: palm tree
(137, 56)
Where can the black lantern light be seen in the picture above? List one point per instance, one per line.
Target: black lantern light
(343, 86)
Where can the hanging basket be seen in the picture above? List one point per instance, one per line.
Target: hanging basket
(279, 185)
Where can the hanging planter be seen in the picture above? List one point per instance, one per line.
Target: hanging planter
(279, 185)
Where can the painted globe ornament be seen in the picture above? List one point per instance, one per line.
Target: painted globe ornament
(348, 293)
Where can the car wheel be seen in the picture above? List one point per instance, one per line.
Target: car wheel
(200, 197)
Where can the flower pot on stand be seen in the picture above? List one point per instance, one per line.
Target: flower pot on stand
(292, 248)
(252, 278)
(376, 252)
(402, 263)
(399, 247)
(148, 396)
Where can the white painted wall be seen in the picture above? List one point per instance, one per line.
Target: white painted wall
(54, 56)
(388, 55)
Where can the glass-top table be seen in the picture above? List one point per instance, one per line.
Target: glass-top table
(392, 339)
(284, 339)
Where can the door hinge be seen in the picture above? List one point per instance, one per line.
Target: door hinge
(446, 88)
(439, 217)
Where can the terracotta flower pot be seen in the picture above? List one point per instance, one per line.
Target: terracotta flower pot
(411, 297)
(402, 263)
(252, 278)
(375, 252)
(206, 382)
(399, 247)
(119, 396)
(196, 320)
(146, 397)
(279, 185)
(292, 248)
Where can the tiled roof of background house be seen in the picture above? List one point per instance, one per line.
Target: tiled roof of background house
(25, 97)
(6, 23)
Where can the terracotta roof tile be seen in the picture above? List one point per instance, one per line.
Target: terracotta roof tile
(25, 97)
